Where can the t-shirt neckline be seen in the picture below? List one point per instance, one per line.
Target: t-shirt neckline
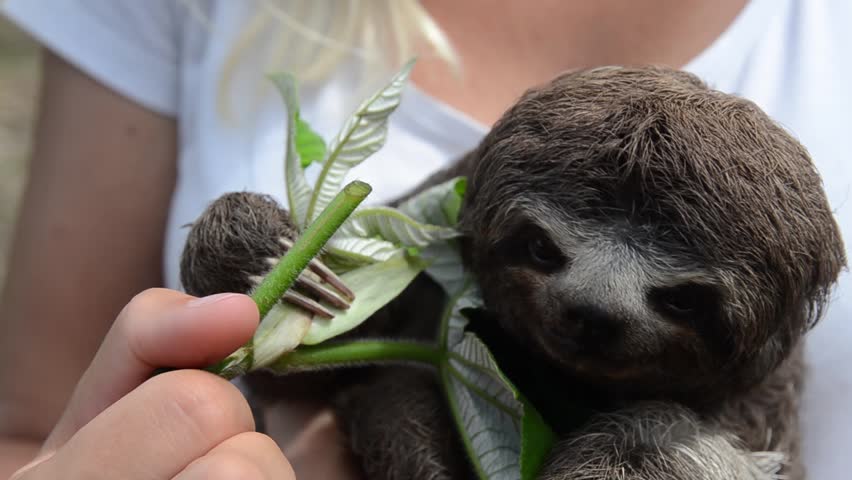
(717, 64)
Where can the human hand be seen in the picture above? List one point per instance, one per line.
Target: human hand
(183, 424)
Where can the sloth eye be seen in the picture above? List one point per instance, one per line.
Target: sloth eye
(687, 301)
(529, 245)
(543, 253)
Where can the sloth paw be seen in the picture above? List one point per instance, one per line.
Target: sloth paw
(238, 239)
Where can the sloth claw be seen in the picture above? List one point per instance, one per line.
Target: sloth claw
(331, 278)
(306, 283)
(301, 301)
(318, 282)
(324, 273)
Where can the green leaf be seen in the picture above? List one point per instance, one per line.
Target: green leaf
(437, 205)
(375, 234)
(309, 144)
(452, 204)
(359, 250)
(282, 330)
(536, 441)
(505, 437)
(374, 286)
(362, 135)
(392, 225)
(298, 191)
(445, 265)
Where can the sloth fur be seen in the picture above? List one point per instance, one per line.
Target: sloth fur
(651, 253)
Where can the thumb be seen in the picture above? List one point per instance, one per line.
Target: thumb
(157, 328)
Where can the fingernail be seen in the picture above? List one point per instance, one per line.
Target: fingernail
(210, 299)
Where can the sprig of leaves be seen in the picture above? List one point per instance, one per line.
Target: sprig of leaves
(277, 331)
(378, 251)
(361, 136)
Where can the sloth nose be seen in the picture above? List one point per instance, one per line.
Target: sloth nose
(590, 327)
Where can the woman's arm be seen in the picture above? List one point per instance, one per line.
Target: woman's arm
(89, 237)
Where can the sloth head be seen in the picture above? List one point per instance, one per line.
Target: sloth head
(634, 227)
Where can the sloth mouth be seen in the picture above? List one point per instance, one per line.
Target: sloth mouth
(555, 357)
(593, 362)
(612, 371)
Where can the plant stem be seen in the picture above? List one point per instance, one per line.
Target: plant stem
(284, 275)
(358, 352)
(308, 245)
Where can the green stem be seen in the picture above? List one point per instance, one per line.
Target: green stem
(358, 352)
(284, 275)
(308, 245)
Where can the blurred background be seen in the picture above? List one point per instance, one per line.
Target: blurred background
(19, 77)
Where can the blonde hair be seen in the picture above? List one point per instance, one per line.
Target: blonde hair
(314, 38)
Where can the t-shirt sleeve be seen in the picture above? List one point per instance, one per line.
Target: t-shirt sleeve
(131, 46)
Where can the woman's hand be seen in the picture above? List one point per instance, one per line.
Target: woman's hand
(184, 424)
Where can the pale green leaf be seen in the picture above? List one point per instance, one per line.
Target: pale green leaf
(393, 226)
(361, 136)
(445, 265)
(361, 250)
(281, 330)
(374, 286)
(298, 191)
(489, 412)
(504, 436)
(309, 144)
(437, 205)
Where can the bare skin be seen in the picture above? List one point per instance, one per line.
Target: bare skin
(513, 46)
(185, 424)
(94, 211)
(89, 238)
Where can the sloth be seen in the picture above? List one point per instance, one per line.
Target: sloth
(651, 253)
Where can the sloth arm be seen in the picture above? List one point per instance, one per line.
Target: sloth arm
(745, 439)
(399, 427)
(652, 441)
(767, 417)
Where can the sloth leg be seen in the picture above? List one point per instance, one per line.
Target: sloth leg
(399, 427)
(655, 441)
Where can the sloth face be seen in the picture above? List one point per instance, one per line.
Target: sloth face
(610, 300)
(636, 228)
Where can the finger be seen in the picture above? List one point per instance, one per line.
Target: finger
(155, 431)
(249, 455)
(157, 328)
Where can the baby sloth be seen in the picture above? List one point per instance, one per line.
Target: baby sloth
(651, 253)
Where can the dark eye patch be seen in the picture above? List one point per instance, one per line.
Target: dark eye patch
(698, 306)
(686, 302)
(530, 245)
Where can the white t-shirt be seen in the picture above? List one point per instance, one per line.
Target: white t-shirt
(792, 57)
